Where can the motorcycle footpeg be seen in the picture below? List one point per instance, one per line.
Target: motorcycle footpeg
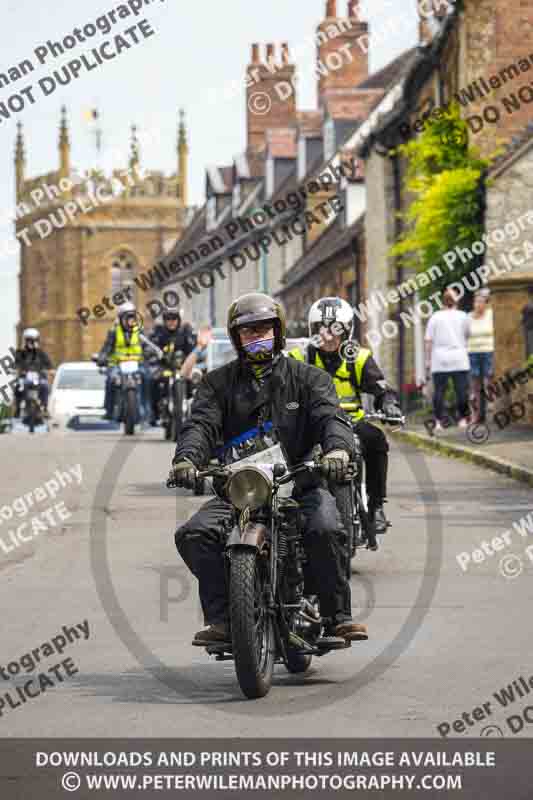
(218, 648)
(331, 643)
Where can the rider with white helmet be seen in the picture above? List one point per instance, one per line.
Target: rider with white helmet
(123, 343)
(354, 371)
(30, 358)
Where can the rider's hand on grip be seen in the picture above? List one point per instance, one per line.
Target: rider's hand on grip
(182, 474)
(336, 465)
(392, 410)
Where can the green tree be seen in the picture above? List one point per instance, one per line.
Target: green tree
(445, 175)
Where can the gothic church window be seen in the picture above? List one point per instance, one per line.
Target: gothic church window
(123, 270)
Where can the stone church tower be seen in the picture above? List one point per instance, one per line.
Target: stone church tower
(87, 238)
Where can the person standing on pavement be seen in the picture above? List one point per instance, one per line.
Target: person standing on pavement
(481, 352)
(447, 357)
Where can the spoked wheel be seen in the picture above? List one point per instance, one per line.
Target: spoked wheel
(345, 501)
(251, 624)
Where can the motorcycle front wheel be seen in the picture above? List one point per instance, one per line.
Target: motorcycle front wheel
(130, 415)
(252, 629)
(33, 413)
(177, 416)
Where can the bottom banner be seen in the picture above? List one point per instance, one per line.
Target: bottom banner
(269, 768)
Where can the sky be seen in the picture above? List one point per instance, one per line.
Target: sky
(198, 52)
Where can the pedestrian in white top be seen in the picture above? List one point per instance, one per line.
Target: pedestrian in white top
(481, 352)
(447, 357)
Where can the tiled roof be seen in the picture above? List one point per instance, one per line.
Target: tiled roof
(333, 241)
(391, 72)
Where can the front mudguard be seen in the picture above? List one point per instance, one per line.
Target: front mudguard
(253, 535)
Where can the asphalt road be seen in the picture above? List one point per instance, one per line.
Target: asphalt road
(442, 641)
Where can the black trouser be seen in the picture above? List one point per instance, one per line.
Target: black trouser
(201, 542)
(375, 453)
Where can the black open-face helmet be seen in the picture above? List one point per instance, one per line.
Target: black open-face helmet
(171, 313)
(256, 307)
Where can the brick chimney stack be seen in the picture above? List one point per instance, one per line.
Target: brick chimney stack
(270, 94)
(430, 12)
(342, 45)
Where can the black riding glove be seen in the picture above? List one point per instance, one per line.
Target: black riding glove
(183, 473)
(336, 463)
(392, 409)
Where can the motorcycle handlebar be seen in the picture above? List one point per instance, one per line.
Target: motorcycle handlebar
(375, 416)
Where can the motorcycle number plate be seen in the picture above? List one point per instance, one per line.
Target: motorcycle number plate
(128, 367)
(33, 377)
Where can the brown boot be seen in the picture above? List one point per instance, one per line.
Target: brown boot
(352, 631)
(213, 634)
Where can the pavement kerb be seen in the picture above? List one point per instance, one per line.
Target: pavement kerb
(494, 463)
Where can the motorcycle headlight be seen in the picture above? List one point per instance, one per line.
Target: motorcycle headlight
(249, 487)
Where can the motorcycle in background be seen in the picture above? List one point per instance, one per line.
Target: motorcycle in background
(173, 393)
(127, 395)
(28, 386)
(354, 503)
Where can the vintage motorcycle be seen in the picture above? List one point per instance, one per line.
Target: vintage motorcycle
(28, 386)
(353, 504)
(173, 393)
(128, 380)
(271, 618)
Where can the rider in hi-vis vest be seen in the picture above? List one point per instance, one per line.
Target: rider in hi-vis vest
(353, 371)
(122, 343)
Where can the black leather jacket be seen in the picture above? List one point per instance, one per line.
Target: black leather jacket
(300, 400)
(27, 360)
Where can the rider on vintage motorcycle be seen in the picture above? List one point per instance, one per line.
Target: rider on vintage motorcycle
(30, 358)
(262, 389)
(171, 335)
(122, 343)
(353, 371)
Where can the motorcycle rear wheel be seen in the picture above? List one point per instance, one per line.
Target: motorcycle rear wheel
(251, 625)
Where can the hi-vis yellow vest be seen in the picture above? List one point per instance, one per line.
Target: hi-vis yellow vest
(343, 378)
(124, 351)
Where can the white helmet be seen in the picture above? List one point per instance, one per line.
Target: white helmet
(333, 313)
(31, 333)
(126, 308)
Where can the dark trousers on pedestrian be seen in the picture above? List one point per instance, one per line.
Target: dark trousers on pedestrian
(460, 384)
(201, 542)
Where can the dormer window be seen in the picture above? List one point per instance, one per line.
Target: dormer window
(329, 139)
